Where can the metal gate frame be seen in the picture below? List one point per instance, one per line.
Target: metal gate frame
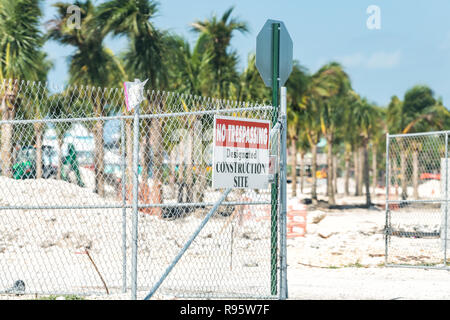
(442, 200)
(280, 264)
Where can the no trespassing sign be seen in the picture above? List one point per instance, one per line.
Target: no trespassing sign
(240, 153)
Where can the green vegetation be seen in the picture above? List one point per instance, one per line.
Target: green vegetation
(321, 105)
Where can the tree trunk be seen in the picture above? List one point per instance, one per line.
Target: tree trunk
(366, 174)
(404, 194)
(313, 174)
(129, 151)
(190, 161)
(361, 170)
(182, 157)
(60, 157)
(99, 153)
(99, 159)
(145, 157)
(294, 167)
(146, 152)
(6, 139)
(302, 170)
(173, 174)
(347, 173)
(415, 173)
(158, 161)
(200, 167)
(38, 128)
(335, 177)
(374, 169)
(330, 188)
(356, 169)
(394, 175)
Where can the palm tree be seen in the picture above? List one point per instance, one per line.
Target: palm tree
(93, 66)
(347, 160)
(299, 143)
(317, 88)
(21, 57)
(332, 111)
(306, 94)
(219, 33)
(297, 87)
(337, 150)
(250, 86)
(190, 72)
(36, 106)
(393, 120)
(148, 56)
(378, 136)
(292, 134)
(349, 140)
(59, 108)
(132, 19)
(313, 136)
(418, 112)
(365, 118)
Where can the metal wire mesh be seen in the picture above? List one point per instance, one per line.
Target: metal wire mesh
(417, 200)
(66, 161)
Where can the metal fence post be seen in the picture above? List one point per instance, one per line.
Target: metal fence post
(283, 198)
(124, 210)
(135, 204)
(446, 199)
(386, 227)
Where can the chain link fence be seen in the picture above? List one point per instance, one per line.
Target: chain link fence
(417, 200)
(66, 197)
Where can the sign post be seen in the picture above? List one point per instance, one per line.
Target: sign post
(274, 63)
(283, 172)
(274, 191)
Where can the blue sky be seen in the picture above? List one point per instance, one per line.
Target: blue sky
(412, 47)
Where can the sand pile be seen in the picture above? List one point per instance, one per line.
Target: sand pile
(45, 192)
(44, 247)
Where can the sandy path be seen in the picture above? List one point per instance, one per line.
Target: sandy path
(368, 284)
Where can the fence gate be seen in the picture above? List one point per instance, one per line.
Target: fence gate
(98, 201)
(417, 193)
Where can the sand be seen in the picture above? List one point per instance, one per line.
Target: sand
(341, 250)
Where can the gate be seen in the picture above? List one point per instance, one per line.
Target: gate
(98, 201)
(417, 194)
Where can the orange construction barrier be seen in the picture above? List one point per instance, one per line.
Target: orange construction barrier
(296, 219)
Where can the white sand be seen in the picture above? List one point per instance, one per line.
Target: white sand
(45, 248)
(341, 250)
